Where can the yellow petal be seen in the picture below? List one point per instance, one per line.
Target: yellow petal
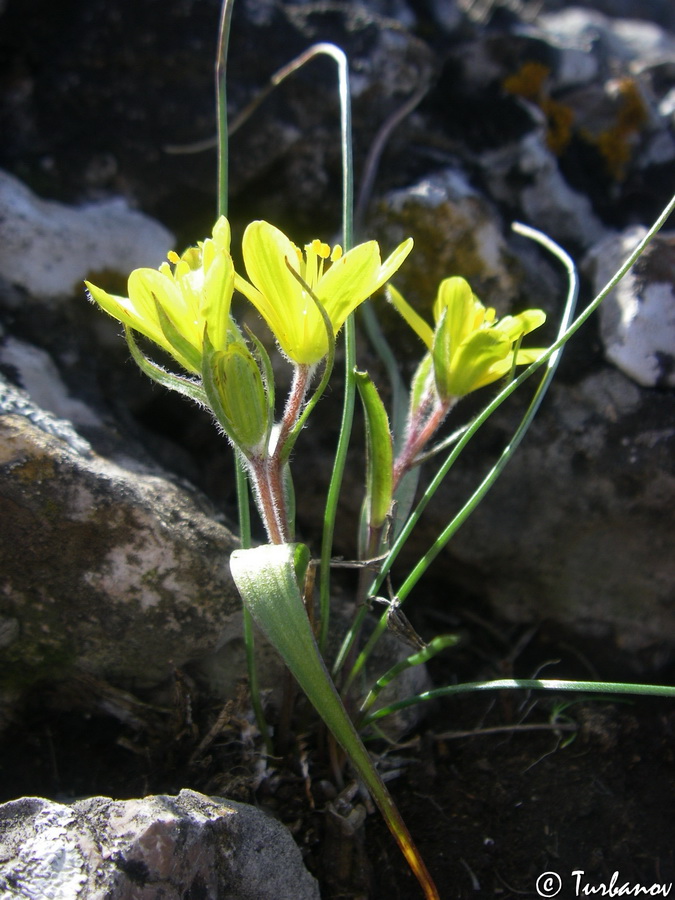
(147, 288)
(416, 322)
(349, 281)
(217, 298)
(476, 362)
(279, 298)
(393, 262)
(355, 276)
(122, 309)
(523, 323)
(457, 299)
(266, 250)
(529, 355)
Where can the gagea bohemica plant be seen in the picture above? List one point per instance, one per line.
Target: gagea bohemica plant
(307, 296)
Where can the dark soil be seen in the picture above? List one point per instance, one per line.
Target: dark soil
(534, 784)
(492, 813)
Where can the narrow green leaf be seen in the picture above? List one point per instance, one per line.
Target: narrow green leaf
(379, 453)
(178, 383)
(432, 648)
(526, 684)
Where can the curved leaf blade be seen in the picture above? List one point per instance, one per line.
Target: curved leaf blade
(269, 580)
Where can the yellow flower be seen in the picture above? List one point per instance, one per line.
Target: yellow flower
(172, 306)
(341, 283)
(469, 347)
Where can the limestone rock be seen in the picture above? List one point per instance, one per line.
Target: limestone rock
(48, 248)
(577, 528)
(526, 174)
(36, 372)
(637, 320)
(625, 38)
(109, 568)
(456, 232)
(157, 848)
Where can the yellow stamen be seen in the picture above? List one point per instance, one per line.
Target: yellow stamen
(321, 249)
(172, 256)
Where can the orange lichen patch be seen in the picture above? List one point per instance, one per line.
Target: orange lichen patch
(617, 142)
(559, 120)
(529, 82)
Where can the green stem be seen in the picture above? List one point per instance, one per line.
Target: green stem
(330, 511)
(221, 103)
(243, 508)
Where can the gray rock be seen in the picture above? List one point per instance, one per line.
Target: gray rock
(39, 376)
(14, 401)
(525, 175)
(577, 528)
(660, 11)
(624, 39)
(158, 848)
(637, 320)
(48, 248)
(109, 568)
(113, 575)
(446, 13)
(456, 231)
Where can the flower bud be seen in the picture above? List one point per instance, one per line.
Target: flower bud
(241, 406)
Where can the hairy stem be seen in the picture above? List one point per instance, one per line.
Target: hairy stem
(268, 496)
(419, 435)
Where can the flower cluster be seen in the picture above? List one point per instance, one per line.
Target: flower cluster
(184, 308)
(305, 297)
